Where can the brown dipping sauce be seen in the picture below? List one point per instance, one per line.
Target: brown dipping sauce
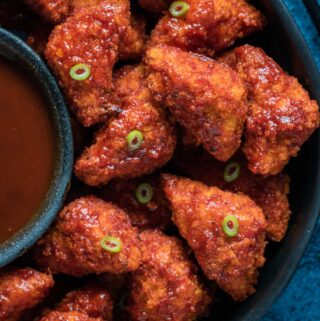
(27, 148)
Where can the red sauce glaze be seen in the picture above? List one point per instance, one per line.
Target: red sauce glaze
(27, 149)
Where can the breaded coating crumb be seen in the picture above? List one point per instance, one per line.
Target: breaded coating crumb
(90, 36)
(54, 11)
(270, 193)
(92, 300)
(20, 290)
(165, 287)
(154, 214)
(198, 212)
(209, 26)
(72, 245)
(281, 115)
(155, 5)
(111, 156)
(68, 316)
(204, 96)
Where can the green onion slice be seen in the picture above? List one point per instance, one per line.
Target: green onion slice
(144, 193)
(134, 139)
(231, 172)
(230, 225)
(179, 9)
(80, 72)
(111, 244)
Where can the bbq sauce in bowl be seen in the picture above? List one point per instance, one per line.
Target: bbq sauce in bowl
(27, 149)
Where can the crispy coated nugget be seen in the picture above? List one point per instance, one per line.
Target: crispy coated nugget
(92, 300)
(269, 193)
(20, 290)
(90, 36)
(209, 26)
(111, 156)
(72, 245)
(165, 287)
(198, 212)
(68, 316)
(54, 11)
(281, 115)
(155, 5)
(204, 96)
(154, 214)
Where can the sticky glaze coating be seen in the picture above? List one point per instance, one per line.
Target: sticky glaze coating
(91, 36)
(205, 97)
(110, 156)
(20, 290)
(165, 287)
(269, 193)
(198, 212)
(54, 11)
(68, 316)
(209, 26)
(155, 214)
(92, 300)
(281, 115)
(72, 245)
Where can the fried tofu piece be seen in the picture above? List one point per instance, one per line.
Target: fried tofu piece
(199, 212)
(20, 290)
(205, 97)
(209, 26)
(72, 245)
(270, 193)
(54, 11)
(155, 5)
(165, 287)
(281, 115)
(90, 36)
(92, 300)
(155, 214)
(68, 316)
(111, 156)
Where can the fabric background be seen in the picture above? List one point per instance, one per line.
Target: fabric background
(301, 300)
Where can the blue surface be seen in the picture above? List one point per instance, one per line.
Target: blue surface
(301, 300)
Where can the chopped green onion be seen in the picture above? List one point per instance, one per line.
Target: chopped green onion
(231, 172)
(230, 225)
(179, 9)
(144, 193)
(80, 72)
(135, 139)
(111, 244)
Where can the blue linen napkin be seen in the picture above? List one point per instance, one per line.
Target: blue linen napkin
(301, 300)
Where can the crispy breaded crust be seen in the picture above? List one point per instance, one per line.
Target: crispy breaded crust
(22, 289)
(281, 115)
(209, 26)
(165, 287)
(72, 245)
(198, 212)
(91, 36)
(68, 316)
(204, 96)
(269, 193)
(54, 11)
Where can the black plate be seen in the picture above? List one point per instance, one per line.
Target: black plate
(284, 42)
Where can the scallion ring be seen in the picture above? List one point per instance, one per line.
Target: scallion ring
(144, 193)
(80, 72)
(230, 225)
(111, 244)
(231, 172)
(179, 9)
(134, 139)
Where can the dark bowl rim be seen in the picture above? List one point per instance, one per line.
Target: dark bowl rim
(14, 47)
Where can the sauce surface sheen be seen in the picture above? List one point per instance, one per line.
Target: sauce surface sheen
(27, 148)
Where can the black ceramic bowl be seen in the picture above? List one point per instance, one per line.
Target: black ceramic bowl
(283, 41)
(17, 51)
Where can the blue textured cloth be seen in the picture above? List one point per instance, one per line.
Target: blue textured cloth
(301, 300)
